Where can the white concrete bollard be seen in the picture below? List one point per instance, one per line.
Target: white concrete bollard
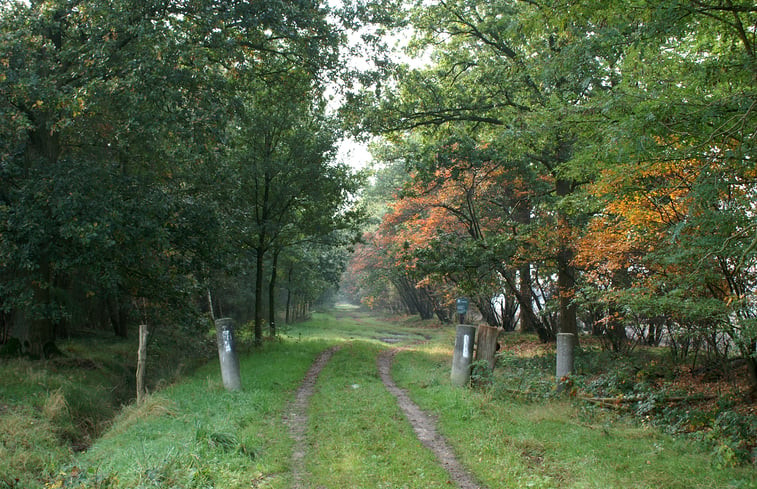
(462, 356)
(227, 354)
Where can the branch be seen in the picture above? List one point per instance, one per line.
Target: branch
(622, 402)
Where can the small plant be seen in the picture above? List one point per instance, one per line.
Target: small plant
(481, 374)
(736, 438)
(76, 477)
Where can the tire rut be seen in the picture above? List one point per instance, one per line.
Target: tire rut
(297, 418)
(425, 426)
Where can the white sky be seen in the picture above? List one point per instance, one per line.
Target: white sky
(352, 152)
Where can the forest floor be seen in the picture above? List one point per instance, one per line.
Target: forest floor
(350, 400)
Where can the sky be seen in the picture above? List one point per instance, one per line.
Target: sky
(354, 153)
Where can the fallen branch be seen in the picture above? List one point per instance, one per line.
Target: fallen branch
(622, 402)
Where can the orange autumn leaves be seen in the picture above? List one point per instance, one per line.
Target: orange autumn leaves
(640, 204)
(652, 210)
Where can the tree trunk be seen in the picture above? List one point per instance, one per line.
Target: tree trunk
(260, 251)
(484, 305)
(526, 307)
(523, 217)
(272, 295)
(524, 284)
(117, 314)
(565, 270)
(289, 296)
(210, 306)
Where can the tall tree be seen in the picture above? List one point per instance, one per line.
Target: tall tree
(525, 73)
(285, 187)
(677, 170)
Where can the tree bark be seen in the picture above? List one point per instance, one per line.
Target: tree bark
(289, 295)
(523, 217)
(526, 307)
(210, 306)
(485, 307)
(524, 284)
(260, 251)
(565, 270)
(272, 295)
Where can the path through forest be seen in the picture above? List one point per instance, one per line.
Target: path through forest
(296, 416)
(424, 426)
(422, 423)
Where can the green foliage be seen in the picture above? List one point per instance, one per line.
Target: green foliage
(196, 435)
(115, 161)
(733, 434)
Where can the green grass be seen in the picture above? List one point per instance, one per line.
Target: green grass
(360, 437)
(349, 324)
(49, 408)
(194, 434)
(554, 443)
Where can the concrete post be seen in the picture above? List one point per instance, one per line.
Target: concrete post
(565, 345)
(227, 354)
(462, 356)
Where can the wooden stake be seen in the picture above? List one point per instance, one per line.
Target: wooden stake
(141, 362)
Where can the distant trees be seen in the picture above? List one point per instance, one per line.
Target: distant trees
(282, 187)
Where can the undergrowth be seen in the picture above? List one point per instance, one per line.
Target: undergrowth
(645, 386)
(52, 409)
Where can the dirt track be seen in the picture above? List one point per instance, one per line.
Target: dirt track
(423, 424)
(297, 418)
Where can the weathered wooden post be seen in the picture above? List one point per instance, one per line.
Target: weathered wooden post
(486, 348)
(141, 363)
(227, 354)
(565, 345)
(462, 355)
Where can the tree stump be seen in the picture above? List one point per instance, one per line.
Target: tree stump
(486, 348)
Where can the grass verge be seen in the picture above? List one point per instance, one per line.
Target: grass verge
(554, 443)
(51, 409)
(197, 435)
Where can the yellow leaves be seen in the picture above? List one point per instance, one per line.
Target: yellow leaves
(78, 106)
(38, 104)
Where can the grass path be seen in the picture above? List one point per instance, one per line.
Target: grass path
(321, 409)
(297, 420)
(425, 426)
